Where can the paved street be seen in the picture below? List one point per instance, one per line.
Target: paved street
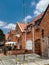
(30, 59)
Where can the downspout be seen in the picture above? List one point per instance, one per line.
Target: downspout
(33, 45)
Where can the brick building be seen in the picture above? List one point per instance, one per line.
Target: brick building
(44, 28)
(38, 31)
(33, 36)
(12, 36)
(20, 35)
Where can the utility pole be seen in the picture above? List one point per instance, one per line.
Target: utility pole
(24, 14)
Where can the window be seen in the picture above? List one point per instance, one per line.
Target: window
(29, 29)
(37, 23)
(17, 34)
(29, 45)
(42, 33)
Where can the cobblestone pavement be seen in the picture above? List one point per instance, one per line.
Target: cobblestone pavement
(27, 59)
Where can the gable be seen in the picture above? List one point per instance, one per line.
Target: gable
(45, 22)
(45, 15)
(18, 28)
(21, 26)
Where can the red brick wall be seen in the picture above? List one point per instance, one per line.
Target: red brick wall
(36, 33)
(29, 35)
(12, 37)
(21, 39)
(45, 25)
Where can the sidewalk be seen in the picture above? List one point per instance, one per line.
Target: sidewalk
(30, 59)
(43, 62)
(33, 60)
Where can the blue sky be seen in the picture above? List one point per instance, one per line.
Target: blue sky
(12, 11)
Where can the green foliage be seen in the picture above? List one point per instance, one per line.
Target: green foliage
(1, 35)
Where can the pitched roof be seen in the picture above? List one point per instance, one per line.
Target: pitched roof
(12, 31)
(22, 26)
(35, 19)
(38, 17)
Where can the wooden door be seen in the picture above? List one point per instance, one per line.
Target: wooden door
(37, 47)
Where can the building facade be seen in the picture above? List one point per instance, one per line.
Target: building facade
(33, 36)
(20, 35)
(38, 32)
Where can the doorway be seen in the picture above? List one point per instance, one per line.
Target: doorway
(37, 47)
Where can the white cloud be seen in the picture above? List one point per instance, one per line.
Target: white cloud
(2, 23)
(27, 18)
(10, 26)
(41, 6)
(36, 12)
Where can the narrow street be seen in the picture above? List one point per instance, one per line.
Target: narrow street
(30, 59)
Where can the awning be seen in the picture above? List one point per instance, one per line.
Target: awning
(11, 43)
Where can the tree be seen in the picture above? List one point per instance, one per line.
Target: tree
(2, 36)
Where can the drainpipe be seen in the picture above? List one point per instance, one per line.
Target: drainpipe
(47, 48)
(42, 44)
(25, 35)
(33, 45)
